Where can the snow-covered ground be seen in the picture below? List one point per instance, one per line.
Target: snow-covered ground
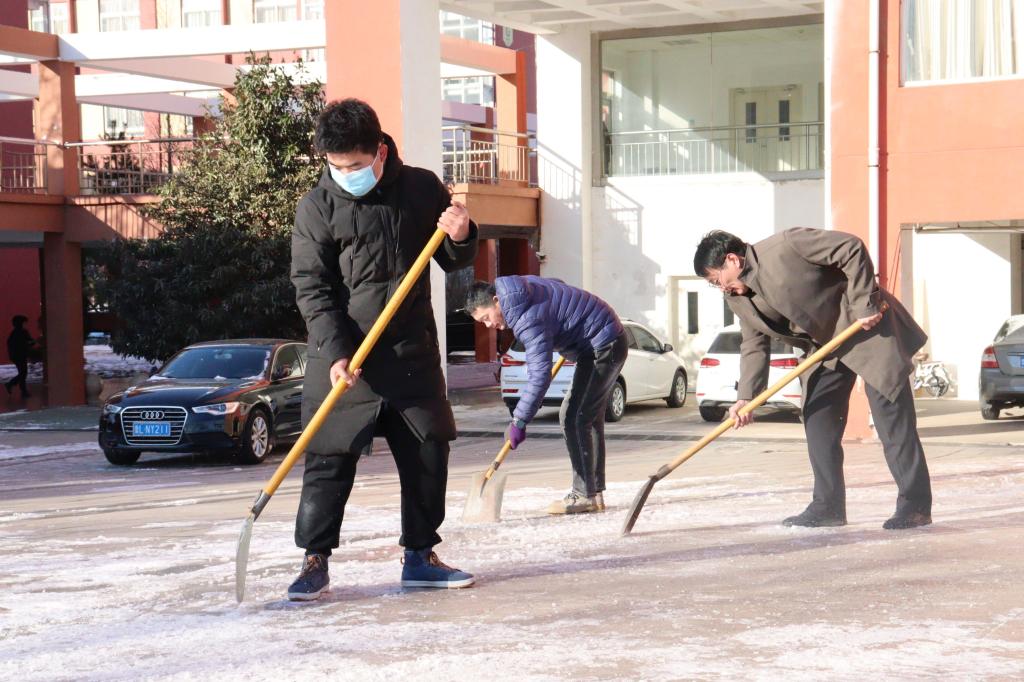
(128, 574)
(99, 359)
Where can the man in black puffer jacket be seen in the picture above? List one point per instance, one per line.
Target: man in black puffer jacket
(356, 235)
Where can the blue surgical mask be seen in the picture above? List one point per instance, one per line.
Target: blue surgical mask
(357, 183)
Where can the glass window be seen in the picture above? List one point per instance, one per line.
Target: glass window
(728, 317)
(475, 90)
(645, 340)
(45, 16)
(692, 315)
(287, 364)
(273, 11)
(59, 19)
(218, 362)
(200, 13)
(120, 123)
(313, 9)
(38, 11)
(630, 339)
(720, 102)
(466, 27)
(119, 15)
(962, 39)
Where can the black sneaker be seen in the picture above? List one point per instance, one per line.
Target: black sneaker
(312, 581)
(904, 521)
(809, 519)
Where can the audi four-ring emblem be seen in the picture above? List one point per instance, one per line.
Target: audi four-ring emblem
(152, 414)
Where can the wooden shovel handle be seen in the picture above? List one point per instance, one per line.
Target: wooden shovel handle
(763, 397)
(357, 360)
(507, 447)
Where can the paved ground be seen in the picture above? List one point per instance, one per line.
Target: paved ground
(115, 573)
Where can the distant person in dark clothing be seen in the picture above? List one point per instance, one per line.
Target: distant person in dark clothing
(18, 344)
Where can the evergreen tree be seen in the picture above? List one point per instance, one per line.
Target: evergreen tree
(220, 269)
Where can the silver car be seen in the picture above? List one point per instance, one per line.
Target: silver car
(1001, 384)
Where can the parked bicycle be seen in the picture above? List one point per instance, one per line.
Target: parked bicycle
(932, 376)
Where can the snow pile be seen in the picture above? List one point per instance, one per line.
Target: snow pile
(99, 359)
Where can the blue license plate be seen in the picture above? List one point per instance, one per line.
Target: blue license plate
(151, 429)
(1016, 360)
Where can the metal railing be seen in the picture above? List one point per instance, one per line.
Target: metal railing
(487, 156)
(23, 165)
(775, 148)
(128, 166)
(469, 154)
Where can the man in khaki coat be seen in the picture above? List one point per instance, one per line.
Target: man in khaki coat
(804, 286)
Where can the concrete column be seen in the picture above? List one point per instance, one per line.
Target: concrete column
(510, 107)
(847, 120)
(486, 269)
(62, 278)
(565, 130)
(58, 121)
(388, 53)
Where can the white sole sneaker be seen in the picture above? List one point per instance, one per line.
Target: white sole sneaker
(449, 584)
(308, 596)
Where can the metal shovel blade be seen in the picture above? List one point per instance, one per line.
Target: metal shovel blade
(242, 557)
(638, 504)
(483, 503)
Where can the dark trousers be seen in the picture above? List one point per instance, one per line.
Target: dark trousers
(328, 479)
(582, 413)
(826, 408)
(20, 380)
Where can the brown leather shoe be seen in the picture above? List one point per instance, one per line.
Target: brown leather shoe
(911, 520)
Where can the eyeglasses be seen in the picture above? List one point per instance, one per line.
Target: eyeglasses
(714, 285)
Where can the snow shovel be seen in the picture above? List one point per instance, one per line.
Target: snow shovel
(483, 503)
(242, 552)
(814, 358)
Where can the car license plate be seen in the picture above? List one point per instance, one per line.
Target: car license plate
(1016, 360)
(151, 429)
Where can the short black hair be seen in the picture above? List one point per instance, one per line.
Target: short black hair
(713, 248)
(18, 320)
(348, 125)
(480, 295)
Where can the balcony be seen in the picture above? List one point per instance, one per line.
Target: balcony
(127, 166)
(23, 165)
(493, 172)
(775, 148)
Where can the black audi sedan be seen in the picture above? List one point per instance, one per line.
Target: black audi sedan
(240, 396)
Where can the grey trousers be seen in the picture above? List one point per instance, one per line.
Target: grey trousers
(582, 413)
(826, 408)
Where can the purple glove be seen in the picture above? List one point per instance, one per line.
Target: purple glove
(516, 435)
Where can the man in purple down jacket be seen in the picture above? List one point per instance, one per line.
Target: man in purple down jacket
(548, 315)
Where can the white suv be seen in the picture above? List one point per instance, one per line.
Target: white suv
(719, 376)
(652, 371)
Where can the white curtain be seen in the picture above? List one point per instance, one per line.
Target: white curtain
(962, 39)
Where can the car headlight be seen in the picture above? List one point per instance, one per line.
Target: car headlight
(218, 408)
(111, 409)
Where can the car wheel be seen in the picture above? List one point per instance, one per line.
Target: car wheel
(711, 414)
(989, 411)
(616, 403)
(677, 396)
(511, 405)
(256, 438)
(120, 457)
